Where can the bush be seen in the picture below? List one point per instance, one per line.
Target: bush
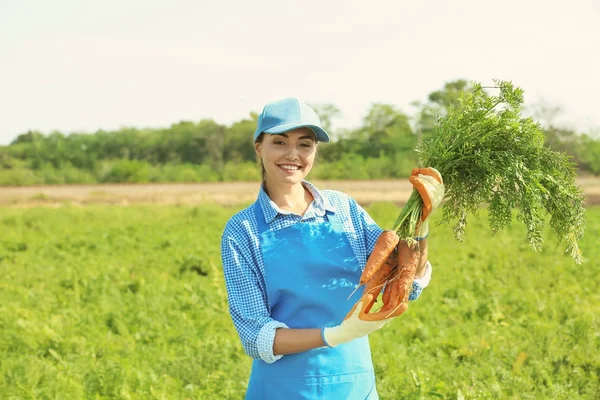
(589, 155)
(241, 171)
(125, 171)
(207, 174)
(19, 177)
(349, 166)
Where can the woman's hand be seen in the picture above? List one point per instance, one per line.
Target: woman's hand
(358, 323)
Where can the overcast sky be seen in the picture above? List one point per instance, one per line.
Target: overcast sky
(82, 65)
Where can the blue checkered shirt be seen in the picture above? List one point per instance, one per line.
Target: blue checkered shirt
(244, 269)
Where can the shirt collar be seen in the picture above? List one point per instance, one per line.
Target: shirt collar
(319, 206)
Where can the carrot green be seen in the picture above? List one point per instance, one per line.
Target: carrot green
(490, 155)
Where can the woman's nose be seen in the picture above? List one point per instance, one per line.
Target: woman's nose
(292, 154)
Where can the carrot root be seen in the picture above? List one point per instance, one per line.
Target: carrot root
(385, 245)
(397, 275)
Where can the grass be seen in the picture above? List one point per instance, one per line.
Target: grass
(106, 302)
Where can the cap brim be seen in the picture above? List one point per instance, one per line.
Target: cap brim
(319, 132)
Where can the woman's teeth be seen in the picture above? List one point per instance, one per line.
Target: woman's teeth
(290, 167)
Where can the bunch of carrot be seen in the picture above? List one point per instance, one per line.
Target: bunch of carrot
(490, 156)
(391, 267)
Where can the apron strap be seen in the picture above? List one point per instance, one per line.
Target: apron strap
(260, 219)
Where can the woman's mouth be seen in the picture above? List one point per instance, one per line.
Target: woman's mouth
(289, 167)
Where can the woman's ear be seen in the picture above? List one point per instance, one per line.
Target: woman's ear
(257, 147)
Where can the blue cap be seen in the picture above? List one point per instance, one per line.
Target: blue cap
(285, 115)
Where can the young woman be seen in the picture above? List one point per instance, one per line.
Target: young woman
(291, 260)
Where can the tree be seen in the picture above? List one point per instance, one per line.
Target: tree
(447, 97)
(385, 131)
(214, 135)
(438, 103)
(327, 112)
(238, 144)
(27, 137)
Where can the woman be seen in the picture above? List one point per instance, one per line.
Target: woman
(291, 260)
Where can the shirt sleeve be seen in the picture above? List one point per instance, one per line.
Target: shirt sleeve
(369, 226)
(247, 301)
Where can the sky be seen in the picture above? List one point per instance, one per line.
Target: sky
(82, 65)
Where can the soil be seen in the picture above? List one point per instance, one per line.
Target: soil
(228, 194)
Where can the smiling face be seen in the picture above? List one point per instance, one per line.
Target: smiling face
(287, 157)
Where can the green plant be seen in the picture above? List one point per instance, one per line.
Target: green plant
(488, 154)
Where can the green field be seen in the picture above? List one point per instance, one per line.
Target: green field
(129, 302)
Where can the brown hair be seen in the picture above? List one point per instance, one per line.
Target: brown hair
(259, 139)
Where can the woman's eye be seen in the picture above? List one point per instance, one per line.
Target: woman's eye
(279, 142)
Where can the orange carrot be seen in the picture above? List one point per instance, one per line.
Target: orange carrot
(391, 294)
(378, 279)
(398, 284)
(413, 178)
(388, 287)
(380, 315)
(377, 282)
(408, 260)
(386, 243)
(370, 302)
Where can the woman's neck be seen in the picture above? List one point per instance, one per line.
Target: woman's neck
(293, 198)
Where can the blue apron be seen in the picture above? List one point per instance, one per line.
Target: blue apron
(310, 270)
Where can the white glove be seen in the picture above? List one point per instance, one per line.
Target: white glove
(353, 327)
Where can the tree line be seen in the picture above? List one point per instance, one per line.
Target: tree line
(382, 147)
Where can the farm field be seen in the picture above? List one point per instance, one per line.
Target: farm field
(105, 301)
(230, 193)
